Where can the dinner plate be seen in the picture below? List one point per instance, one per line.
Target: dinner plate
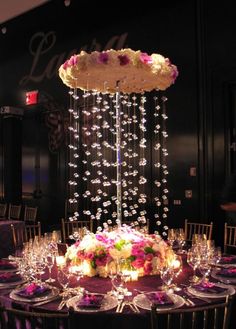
(5, 285)
(143, 301)
(108, 303)
(9, 269)
(229, 290)
(226, 279)
(51, 293)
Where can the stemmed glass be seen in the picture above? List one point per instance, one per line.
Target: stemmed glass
(111, 270)
(50, 258)
(171, 269)
(193, 260)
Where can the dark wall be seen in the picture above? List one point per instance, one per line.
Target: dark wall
(197, 36)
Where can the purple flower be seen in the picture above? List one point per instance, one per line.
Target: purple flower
(145, 58)
(124, 59)
(103, 58)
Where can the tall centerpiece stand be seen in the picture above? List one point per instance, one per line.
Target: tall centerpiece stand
(117, 143)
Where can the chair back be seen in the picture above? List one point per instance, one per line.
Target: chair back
(21, 319)
(32, 230)
(3, 210)
(30, 214)
(191, 228)
(14, 211)
(215, 316)
(69, 227)
(18, 237)
(229, 237)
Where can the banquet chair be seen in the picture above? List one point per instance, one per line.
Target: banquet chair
(14, 211)
(30, 214)
(11, 318)
(22, 235)
(69, 227)
(18, 237)
(229, 237)
(3, 210)
(197, 228)
(32, 230)
(214, 316)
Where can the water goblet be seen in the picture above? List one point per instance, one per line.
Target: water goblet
(50, 258)
(193, 262)
(111, 269)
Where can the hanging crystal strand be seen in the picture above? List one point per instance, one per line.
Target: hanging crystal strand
(73, 154)
(142, 146)
(157, 161)
(85, 147)
(118, 158)
(164, 166)
(160, 162)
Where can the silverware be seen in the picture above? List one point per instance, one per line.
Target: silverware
(47, 300)
(118, 306)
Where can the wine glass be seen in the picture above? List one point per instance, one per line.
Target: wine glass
(111, 269)
(193, 261)
(50, 258)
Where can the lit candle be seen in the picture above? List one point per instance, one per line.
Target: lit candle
(60, 260)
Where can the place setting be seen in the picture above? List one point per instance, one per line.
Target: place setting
(92, 302)
(10, 279)
(7, 265)
(225, 275)
(34, 292)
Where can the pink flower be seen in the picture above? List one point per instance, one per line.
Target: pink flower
(90, 255)
(65, 65)
(149, 257)
(138, 263)
(145, 58)
(175, 73)
(136, 251)
(103, 58)
(73, 60)
(124, 59)
(101, 261)
(147, 268)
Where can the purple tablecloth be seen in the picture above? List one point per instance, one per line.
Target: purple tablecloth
(6, 238)
(109, 319)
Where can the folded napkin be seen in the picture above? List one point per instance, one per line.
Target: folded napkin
(209, 287)
(228, 260)
(9, 277)
(6, 265)
(227, 272)
(91, 301)
(33, 290)
(159, 298)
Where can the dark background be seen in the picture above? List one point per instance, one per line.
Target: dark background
(198, 36)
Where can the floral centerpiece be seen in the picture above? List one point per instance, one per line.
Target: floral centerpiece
(133, 71)
(143, 253)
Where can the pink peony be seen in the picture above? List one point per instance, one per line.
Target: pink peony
(147, 268)
(145, 58)
(138, 263)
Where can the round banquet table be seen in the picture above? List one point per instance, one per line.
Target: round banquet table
(108, 319)
(6, 238)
